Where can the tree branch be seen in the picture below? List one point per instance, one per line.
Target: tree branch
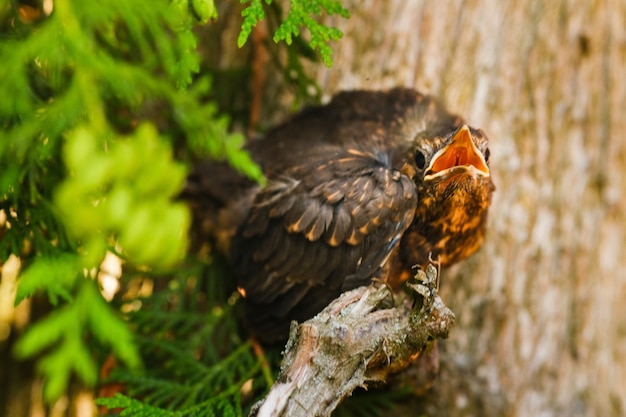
(354, 341)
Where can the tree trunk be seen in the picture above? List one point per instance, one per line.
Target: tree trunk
(540, 309)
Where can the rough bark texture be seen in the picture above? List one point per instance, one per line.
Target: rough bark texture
(540, 310)
(352, 343)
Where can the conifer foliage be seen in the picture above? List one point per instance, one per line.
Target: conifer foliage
(104, 106)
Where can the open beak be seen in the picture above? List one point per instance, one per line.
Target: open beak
(461, 152)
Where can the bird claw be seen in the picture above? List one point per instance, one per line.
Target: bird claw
(377, 280)
(426, 285)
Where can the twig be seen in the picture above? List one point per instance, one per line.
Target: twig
(352, 342)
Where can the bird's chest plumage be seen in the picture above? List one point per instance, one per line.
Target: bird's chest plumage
(449, 222)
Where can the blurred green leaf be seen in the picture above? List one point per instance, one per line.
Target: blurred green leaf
(102, 198)
(54, 275)
(45, 333)
(61, 334)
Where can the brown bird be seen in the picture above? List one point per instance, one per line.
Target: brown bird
(366, 187)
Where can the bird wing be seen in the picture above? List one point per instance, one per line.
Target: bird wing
(325, 225)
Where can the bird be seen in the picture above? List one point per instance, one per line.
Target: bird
(366, 187)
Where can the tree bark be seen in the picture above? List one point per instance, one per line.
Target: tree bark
(540, 308)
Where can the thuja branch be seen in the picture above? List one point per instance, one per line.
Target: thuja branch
(355, 341)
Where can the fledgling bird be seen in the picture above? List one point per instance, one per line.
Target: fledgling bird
(365, 187)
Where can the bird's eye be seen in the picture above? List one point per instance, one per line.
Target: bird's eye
(420, 160)
(487, 154)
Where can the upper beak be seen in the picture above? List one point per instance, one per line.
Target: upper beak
(460, 152)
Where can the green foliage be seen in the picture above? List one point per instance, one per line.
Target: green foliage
(62, 333)
(204, 10)
(124, 192)
(201, 365)
(252, 15)
(107, 109)
(135, 408)
(85, 170)
(56, 275)
(301, 15)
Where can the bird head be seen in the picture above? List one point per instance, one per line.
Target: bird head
(458, 155)
(451, 171)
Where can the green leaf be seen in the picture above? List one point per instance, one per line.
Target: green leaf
(55, 366)
(301, 15)
(45, 333)
(108, 327)
(252, 14)
(134, 408)
(61, 333)
(204, 10)
(56, 276)
(125, 190)
(203, 364)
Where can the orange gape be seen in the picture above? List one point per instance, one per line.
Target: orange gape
(460, 152)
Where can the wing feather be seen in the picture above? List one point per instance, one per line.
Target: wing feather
(307, 217)
(322, 222)
(320, 229)
(272, 242)
(339, 227)
(282, 206)
(295, 249)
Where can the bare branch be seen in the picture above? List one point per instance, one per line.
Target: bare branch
(354, 341)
